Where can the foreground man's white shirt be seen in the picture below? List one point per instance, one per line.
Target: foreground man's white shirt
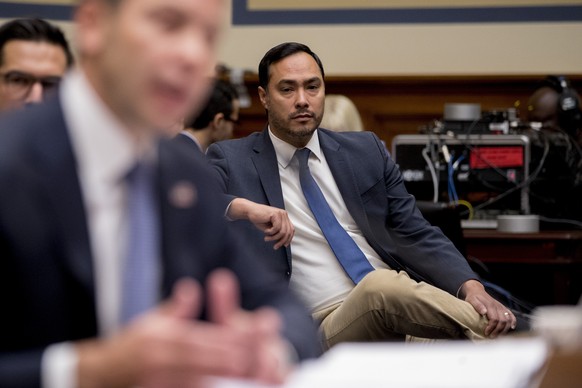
(94, 132)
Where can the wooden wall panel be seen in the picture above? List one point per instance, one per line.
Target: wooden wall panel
(401, 105)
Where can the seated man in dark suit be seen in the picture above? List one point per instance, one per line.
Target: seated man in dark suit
(117, 267)
(216, 121)
(354, 245)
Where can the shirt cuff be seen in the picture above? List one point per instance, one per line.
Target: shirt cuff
(59, 366)
(227, 209)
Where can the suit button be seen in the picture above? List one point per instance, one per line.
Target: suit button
(288, 273)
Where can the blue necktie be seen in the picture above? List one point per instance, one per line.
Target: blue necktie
(343, 246)
(141, 267)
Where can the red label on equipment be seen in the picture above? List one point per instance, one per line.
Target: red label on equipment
(500, 157)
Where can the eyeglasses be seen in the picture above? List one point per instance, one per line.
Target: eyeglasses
(236, 122)
(19, 84)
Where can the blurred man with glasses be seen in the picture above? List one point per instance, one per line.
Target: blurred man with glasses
(34, 55)
(216, 121)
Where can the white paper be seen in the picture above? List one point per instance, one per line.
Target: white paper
(502, 363)
(450, 364)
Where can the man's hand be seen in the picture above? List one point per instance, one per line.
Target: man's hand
(501, 319)
(272, 221)
(168, 348)
(268, 356)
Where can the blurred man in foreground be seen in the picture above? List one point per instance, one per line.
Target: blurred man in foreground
(117, 267)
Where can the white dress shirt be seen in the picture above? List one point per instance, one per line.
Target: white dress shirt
(95, 132)
(318, 277)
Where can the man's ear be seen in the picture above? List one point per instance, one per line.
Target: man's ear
(263, 97)
(92, 19)
(218, 120)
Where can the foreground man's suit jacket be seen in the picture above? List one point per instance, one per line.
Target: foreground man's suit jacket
(47, 292)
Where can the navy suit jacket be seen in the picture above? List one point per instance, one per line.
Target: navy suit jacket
(47, 292)
(373, 190)
(188, 142)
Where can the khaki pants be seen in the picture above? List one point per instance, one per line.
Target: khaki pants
(388, 305)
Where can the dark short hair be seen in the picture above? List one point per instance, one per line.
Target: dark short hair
(280, 52)
(35, 30)
(220, 101)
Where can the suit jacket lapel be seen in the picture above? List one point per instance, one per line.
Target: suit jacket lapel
(345, 179)
(61, 183)
(265, 161)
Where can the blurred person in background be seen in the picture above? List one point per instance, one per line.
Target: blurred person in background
(554, 111)
(34, 55)
(217, 119)
(556, 105)
(341, 114)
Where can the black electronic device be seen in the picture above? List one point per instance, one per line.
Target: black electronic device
(488, 171)
(534, 172)
(467, 119)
